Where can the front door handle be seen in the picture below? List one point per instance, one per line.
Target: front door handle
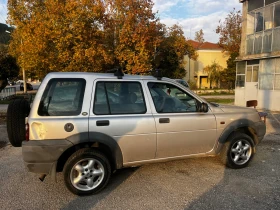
(164, 120)
(102, 123)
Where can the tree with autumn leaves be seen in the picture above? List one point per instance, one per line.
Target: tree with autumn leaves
(94, 36)
(230, 39)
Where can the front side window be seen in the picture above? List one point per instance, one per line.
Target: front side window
(168, 98)
(119, 98)
(62, 97)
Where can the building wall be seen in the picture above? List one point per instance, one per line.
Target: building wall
(266, 89)
(261, 46)
(205, 58)
(242, 51)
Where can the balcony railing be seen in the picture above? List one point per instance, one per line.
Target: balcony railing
(276, 40)
(263, 42)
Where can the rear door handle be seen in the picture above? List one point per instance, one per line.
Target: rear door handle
(102, 123)
(164, 120)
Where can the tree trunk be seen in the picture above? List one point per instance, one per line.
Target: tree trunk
(3, 84)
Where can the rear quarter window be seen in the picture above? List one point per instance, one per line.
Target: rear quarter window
(62, 97)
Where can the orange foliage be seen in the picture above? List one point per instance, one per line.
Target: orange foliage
(85, 35)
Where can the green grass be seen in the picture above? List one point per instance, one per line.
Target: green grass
(215, 93)
(220, 100)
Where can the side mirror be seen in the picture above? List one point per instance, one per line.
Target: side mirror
(203, 107)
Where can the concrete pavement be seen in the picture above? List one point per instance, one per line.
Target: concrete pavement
(3, 109)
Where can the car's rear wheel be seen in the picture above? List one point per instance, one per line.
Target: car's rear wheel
(17, 111)
(238, 151)
(87, 172)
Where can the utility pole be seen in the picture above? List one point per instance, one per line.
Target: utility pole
(23, 71)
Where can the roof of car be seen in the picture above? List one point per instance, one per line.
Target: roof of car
(102, 76)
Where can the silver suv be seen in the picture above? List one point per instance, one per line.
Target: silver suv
(88, 125)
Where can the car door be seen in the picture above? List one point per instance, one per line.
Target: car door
(119, 111)
(181, 129)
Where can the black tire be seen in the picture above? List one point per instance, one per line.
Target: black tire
(231, 151)
(81, 156)
(17, 111)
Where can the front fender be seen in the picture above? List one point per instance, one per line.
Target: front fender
(255, 128)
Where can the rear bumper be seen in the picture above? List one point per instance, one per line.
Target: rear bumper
(41, 156)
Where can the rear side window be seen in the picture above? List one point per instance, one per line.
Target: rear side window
(119, 98)
(62, 97)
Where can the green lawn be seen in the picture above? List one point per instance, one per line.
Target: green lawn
(214, 93)
(220, 100)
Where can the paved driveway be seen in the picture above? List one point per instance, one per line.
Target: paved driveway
(201, 183)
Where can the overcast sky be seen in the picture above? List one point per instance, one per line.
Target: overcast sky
(192, 15)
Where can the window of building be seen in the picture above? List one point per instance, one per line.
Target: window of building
(276, 40)
(259, 20)
(277, 74)
(270, 74)
(240, 73)
(277, 15)
(62, 97)
(267, 2)
(119, 98)
(255, 4)
(266, 74)
(252, 73)
(263, 28)
(268, 17)
(250, 22)
(249, 74)
(267, 41)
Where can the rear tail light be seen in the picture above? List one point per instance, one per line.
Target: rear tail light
(27, 132)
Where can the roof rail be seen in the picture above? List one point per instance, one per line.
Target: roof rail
(155, 73)
(117, 72)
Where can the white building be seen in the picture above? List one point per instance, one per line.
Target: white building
(258, 66)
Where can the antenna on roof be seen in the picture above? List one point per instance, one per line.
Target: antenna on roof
(157, 73)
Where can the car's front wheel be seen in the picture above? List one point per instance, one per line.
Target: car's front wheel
(87, 172)
(238, 151)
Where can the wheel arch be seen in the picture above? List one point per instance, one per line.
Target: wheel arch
(244, 126)
(102, 142)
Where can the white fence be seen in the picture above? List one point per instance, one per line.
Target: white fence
(7, 92)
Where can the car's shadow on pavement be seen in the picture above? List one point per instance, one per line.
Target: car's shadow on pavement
(88, 202)
(254, 187)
